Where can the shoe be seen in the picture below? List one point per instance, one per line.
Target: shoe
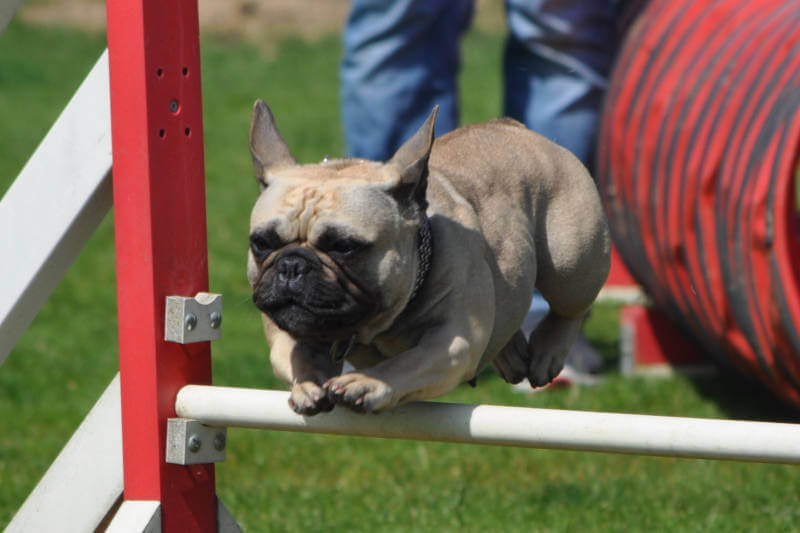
(584, 358)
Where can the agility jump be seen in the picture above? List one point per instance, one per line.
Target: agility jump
(156, 123)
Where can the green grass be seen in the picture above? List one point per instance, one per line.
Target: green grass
(292, 482)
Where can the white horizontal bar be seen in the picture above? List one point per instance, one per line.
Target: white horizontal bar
(54, 205)
(505, 426)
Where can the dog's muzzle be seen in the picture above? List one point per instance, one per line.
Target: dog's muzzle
(291, 278)
(297, 294)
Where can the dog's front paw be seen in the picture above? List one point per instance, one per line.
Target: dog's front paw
(360, 393)
(308, 398)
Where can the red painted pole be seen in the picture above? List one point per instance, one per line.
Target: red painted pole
(160, 225)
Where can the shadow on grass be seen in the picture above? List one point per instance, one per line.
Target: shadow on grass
(735, 395)
(743, 399)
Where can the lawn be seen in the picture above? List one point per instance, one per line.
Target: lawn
(293, 482)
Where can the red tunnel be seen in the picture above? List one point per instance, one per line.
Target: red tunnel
(697, 165)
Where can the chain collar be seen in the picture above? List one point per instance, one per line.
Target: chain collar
(425, 249)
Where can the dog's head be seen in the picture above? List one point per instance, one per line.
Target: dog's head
(333, 246)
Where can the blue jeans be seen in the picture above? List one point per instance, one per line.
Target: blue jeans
(401, 57)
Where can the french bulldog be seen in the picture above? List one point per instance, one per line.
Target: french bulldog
(419, 271)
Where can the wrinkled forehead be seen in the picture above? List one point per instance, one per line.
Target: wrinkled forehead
(299, 202)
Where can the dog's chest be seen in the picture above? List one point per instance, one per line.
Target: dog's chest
(389, 347)
(363, 356)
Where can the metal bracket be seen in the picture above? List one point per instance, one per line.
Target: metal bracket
(195, 319)
(190, 443)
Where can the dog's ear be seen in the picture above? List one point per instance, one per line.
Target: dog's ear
(266, 144)
(411, 163)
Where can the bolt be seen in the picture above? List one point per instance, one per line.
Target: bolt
(173, 106)
(190, 321)
(219, 442)
(194, 444)
(216, 319)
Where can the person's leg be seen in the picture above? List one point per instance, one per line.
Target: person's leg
(400, 59)
(557, 59)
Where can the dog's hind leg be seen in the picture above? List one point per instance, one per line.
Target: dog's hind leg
(542, 357)
(549, 346)
(572, 265)
(514, 360)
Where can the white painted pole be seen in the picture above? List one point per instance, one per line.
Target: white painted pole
(137, 516)
(54, 205)
(505, 426)
(85, 480)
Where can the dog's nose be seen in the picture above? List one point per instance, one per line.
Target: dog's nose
(291, 269)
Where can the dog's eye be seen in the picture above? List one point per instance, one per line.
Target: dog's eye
(261, 246)
(345, 246)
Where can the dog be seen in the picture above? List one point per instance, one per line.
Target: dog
(419, 271)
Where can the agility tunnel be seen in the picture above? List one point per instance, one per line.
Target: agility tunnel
(697, 164)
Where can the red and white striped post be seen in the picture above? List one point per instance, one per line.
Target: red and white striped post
(160, 224)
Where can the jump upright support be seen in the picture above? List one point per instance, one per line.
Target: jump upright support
(160, 225)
